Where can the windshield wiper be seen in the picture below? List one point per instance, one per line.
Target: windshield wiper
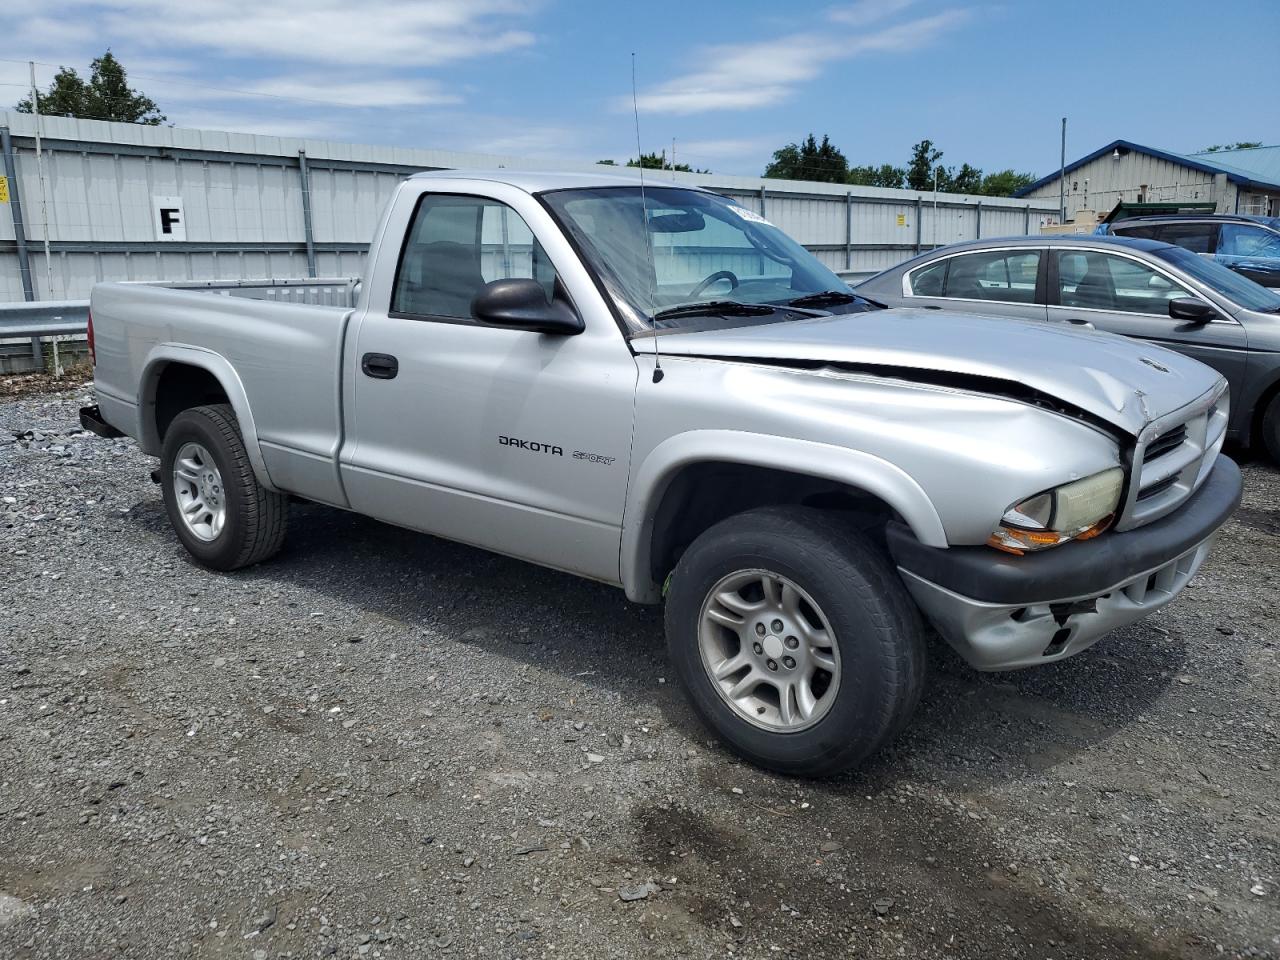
(717, 308)
(823, 298)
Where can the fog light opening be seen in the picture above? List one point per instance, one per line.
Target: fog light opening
(1058, 642)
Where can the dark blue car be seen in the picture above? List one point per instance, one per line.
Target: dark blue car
(1248, 245)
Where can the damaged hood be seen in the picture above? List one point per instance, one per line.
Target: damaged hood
(1125, 382)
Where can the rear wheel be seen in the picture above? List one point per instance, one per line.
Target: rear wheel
(795, 640)
(224, 517)
(1271, 428)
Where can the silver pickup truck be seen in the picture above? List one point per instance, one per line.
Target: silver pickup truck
(654, 387)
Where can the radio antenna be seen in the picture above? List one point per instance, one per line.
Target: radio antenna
(644, 208)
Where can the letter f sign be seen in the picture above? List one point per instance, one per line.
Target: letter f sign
(169, 219)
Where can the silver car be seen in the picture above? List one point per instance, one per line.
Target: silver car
(1146, 289)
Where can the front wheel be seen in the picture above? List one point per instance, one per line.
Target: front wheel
(1271, 428)
(795, 640)
(224, 517)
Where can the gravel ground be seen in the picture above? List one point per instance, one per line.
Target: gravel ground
(381, 744)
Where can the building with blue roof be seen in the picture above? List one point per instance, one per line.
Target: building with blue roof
(1243, 181)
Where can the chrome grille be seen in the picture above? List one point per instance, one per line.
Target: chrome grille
(1173, 456)
(1157, 488)
(1166, 442)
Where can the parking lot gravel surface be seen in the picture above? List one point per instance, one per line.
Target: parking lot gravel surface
(381, 744)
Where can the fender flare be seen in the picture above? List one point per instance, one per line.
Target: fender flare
(220, 368)
(862, 470)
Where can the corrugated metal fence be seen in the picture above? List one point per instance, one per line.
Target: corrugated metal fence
(127, 202)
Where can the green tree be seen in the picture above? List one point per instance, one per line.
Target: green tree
(809, 160)
(66, 95)
(1005, 183)
(965, 180)
(920, 170)
(1238, 145)
(107, 95)
(885, 175)
(657, 161)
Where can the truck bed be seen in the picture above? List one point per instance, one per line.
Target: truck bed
(279, 344)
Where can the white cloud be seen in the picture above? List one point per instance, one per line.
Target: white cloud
(234, 122)
(742, 76)
(289, 67)
(389, 34)
(516, 138)
(862, 12)
(354, 93)
(749, 75)
(911, 35)
(698, 150)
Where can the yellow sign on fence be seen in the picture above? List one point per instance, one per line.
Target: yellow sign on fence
(902, 219)
(4, 189)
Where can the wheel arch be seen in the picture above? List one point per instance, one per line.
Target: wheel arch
(177, 377)
(663, 505)
(1253, 434)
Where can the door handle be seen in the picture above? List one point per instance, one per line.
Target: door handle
(380, 366)
(1076, 321)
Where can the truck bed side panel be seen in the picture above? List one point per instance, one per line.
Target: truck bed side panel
(283, 359)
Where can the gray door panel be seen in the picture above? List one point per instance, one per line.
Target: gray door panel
(511, 440)
(500, 438)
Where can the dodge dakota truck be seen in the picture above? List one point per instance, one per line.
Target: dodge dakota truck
(654, 387)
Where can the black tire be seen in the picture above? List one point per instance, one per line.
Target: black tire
(876, 625)
(255, 517)
(1271, 429)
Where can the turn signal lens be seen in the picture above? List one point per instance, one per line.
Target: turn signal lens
(1015, 541)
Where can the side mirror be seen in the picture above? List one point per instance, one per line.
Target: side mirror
(521, 304)
(1191, 309)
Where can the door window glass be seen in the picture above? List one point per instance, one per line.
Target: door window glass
(1006, 276)
(1196, 237)
(458, 244)
(1100, 281)
(1141, 232)
(930, 281)
(1241, 240)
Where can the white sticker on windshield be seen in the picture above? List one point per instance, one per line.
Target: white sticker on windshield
(750, 215)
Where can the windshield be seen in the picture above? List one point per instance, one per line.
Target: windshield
(686, 254)
(1238, 289)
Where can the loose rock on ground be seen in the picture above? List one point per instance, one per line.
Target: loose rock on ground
(380, 744)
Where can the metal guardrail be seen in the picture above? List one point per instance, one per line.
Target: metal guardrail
(43, 318)
(56, 318)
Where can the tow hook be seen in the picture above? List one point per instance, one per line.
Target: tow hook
(1062, 612)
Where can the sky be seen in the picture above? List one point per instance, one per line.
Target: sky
(729, 81)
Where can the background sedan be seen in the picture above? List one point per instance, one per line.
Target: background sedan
(1248, 245)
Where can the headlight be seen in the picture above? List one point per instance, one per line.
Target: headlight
(1074, 511)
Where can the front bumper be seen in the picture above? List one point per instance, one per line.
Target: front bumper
(1001, 612)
